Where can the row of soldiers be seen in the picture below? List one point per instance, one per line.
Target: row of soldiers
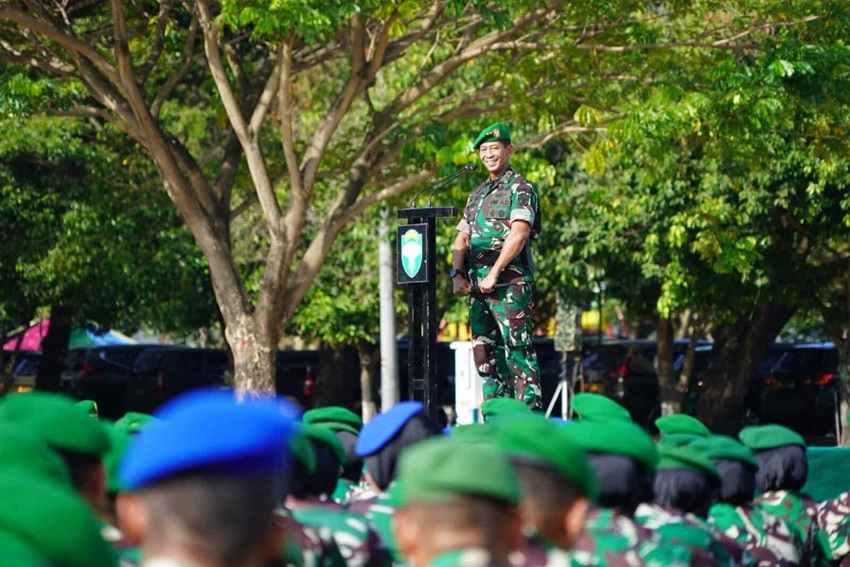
(212, 480)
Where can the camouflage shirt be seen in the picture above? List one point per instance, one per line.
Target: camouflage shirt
(613, 539)
(767, 538)
(379, 512)
(487, 218)
(833, 518)
(800, 511)
(469, 557)
(358, 542)
(680, 528)
(307, 546)
(343, 491)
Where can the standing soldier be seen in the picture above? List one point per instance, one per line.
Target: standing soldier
(783, 469)
(767, 538)
(491, 263)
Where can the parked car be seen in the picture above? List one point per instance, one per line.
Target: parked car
(295, 375)
(24, 369)
(802, 390)
(103, 377)
(161, 373)
(624, 371)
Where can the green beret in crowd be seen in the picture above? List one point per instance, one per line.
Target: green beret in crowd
(133, 421)
(498, 406)
(323, 435)
(623, 438)
(720, 447)
(56, 420)
(597, 408)
(678, 439)
(685, 458)
(442, 469)
(119, 440)
(681, 423)
(498, 132)
(89, 407)
(52, 521)
(474, 433)
(22, 450)
(762, 437)
(336, 417)
(535, 438)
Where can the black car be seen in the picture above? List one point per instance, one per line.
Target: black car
(164, 372)
(103, 377)
(624, 371)
(802, 390)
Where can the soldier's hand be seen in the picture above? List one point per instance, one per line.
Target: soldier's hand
(488, 284)
(461, 286)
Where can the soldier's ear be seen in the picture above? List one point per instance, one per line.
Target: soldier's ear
(574, 520)
(132, 518)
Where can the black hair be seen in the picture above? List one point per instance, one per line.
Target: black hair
(685, 490)
(353, 467)
(623, 482)
(382, 464)
(215, 516)
(782, 468)
(321, 481)
(738, 482)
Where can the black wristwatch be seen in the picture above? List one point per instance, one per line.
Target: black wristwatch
(455, 272)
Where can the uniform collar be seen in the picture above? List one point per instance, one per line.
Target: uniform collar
(505, 178)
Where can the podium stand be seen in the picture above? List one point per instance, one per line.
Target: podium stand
(417, 268)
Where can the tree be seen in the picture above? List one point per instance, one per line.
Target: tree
(355, 96)
(726, 188)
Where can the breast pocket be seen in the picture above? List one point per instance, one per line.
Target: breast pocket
(497, 206)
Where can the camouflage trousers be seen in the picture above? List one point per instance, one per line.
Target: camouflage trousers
(501, 343)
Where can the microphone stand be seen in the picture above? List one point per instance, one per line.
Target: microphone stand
(440, 183)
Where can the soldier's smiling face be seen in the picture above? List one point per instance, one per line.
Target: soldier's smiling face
(496, 157)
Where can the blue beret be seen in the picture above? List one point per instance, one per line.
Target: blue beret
(210, 430)
(384, 426)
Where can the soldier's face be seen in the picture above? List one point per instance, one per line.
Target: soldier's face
(495, 156)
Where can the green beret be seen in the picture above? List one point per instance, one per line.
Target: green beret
(681, 423)
(51, 520)
(325, 436)
(441, 469)
(596, 408)
(334, 417)
(133, 421)
(623, 438)
(762, 437)
(57, 421)
(678, 439)
(688, 459)
(89, 407)
(495, 406)
(474, 433)
(119, 440)
(302, 449)
(17, 554)
(719, 447)
(538, 439)
(21, 449)
(498, 132)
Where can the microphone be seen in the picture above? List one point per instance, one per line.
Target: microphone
(439, 184)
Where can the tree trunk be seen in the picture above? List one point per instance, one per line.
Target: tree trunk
(671, 399)
(366, 353)
(738, 349)
(688, 363)
(54, 347)
(253, 349)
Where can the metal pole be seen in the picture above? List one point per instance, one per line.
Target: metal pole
(389, 347)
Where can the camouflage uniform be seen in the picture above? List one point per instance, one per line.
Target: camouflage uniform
(308, 546)
(800, 512)
(537, 552)
(833, 517)
(501, 321)
(767, 538)
(680, 528)
(470, 557)
(613, 539)
(344, 490)
(359, 544)
(379, 512)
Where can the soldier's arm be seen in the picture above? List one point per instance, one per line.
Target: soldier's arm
(459, 251)
(514, 243)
